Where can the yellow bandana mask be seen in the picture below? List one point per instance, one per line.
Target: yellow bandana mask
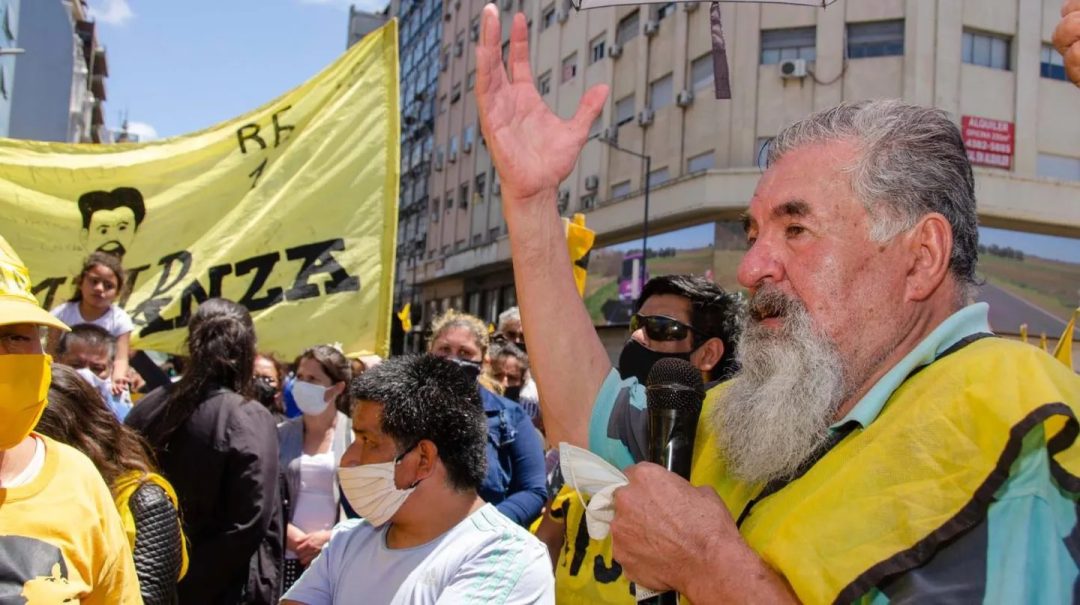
(24, 389)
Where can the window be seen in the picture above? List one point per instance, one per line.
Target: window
(544, 83)
(7, 25)
(782, 44)
(597, 125)
(547, 18)
(453, 150)
(665, 10)
(569, 68)
(435, 210)
(660, 92)
(449, 205)
(628, 29)
(588, 201)
(701, 72)
(1052, 64)
(620, 189)
(624, 110)
(596, 49)
(1058, 166)
(704, 161)
(986, 50)
(658, 177)
(442, 104)
(480, 188)
(470, 80)
(468, 135)
(474, 29)
(455, 93)
(878, 39)
(463, 199)
(444, 58)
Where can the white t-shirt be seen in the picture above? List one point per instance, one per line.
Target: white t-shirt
(116, 321)
(487, 558)
(316, 508)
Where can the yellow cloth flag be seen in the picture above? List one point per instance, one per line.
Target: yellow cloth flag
(579, 242)
(1023, 333)
(1043, 343)
(1063, 350)
(290, 210)
(405, 315)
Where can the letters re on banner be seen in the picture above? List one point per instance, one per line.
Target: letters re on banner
(290, 210)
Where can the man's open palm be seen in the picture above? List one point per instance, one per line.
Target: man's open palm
(532, 148)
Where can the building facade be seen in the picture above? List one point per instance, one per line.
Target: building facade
(986, 62)
(362, 23)
(52, 79)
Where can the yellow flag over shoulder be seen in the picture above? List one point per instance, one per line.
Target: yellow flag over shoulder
(405, 315)
(1063, 350)
(289, 210)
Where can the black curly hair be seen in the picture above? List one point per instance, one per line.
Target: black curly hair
(713, 311)
(427, 397)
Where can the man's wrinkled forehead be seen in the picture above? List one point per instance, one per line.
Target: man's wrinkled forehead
(813, 180)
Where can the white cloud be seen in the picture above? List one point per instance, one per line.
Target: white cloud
(144, 131)
(371, 6)
(111, 12)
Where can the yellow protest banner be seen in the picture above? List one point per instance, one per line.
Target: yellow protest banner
(290, 210)
(579, 243)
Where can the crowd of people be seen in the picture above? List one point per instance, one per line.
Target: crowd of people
(865, 436)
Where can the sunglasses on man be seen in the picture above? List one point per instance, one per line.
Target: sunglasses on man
(661, 327)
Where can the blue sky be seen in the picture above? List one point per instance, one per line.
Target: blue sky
(178, 67)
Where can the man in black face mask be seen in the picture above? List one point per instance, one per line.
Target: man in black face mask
(682, 316)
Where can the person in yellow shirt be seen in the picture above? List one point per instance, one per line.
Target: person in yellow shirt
(61, 539)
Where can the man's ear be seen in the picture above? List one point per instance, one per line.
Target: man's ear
(429, 457)
(708, 355)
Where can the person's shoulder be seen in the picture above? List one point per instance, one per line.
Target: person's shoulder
(147, 407)
(61, 310)
(493, 400)
(72, 465)
(352, 535)
(495, 532)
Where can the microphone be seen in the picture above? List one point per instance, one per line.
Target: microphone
(675, 392)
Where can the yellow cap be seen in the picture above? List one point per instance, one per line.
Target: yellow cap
(17, 304)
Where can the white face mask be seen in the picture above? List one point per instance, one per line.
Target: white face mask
(371, 491)
(310, 398)
(102, 386)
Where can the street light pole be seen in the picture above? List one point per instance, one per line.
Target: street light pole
(647, 159)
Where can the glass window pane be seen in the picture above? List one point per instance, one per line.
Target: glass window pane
(770, 56)
(999, 53)
(968, 54)
(980, 53)
(701, 71)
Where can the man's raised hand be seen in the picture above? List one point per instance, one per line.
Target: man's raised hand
(533, 149)
(1067, 39)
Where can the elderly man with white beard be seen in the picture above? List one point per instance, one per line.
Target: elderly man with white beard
(879, 443)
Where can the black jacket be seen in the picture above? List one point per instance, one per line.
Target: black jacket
(223, 464)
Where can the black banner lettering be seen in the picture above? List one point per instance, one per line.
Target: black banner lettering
(280, 128)
(50, 286)
(194, 292)
(262, 265)
(148, 313)
(249, 132)
(316, 258)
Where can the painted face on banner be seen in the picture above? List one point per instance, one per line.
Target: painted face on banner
(111, 231)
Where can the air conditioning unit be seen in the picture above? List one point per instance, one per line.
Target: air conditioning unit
(592, 182)
(690, 6)
(474, 34)
(438, 160)
(793, 68)
(451, 157)
(564, 200)
(562, 16)
(458, 49)
(610, 134)
(651, 28)
(645, 117)
(466, 146)
(506, 4)
(685, 98)
(614, 51)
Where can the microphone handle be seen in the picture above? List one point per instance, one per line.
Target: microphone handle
(671, 445)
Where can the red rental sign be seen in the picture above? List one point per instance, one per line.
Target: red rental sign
(988, 142)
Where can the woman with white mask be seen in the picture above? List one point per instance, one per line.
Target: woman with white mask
(310, 447)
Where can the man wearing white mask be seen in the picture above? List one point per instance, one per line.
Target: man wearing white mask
(413, 473)
(91, 350)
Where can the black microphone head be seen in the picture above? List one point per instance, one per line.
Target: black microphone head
(675, 384)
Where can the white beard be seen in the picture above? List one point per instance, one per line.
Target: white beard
(778, 408)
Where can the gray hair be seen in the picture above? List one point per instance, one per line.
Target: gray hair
(511, 314)
(912, 162)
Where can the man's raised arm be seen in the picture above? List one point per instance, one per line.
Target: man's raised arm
(533, 151)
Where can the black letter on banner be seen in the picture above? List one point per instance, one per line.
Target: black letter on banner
(255, 174)
(50, 285)
(195, 291)
(131, 278)
(150, 309)
(605, 574)
(278, 128)
(253, 135)
(263, 265)
(581, 544)
(317, 259)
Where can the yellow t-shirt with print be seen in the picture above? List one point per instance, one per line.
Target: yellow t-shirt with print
(61, 539)
(585, 574)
